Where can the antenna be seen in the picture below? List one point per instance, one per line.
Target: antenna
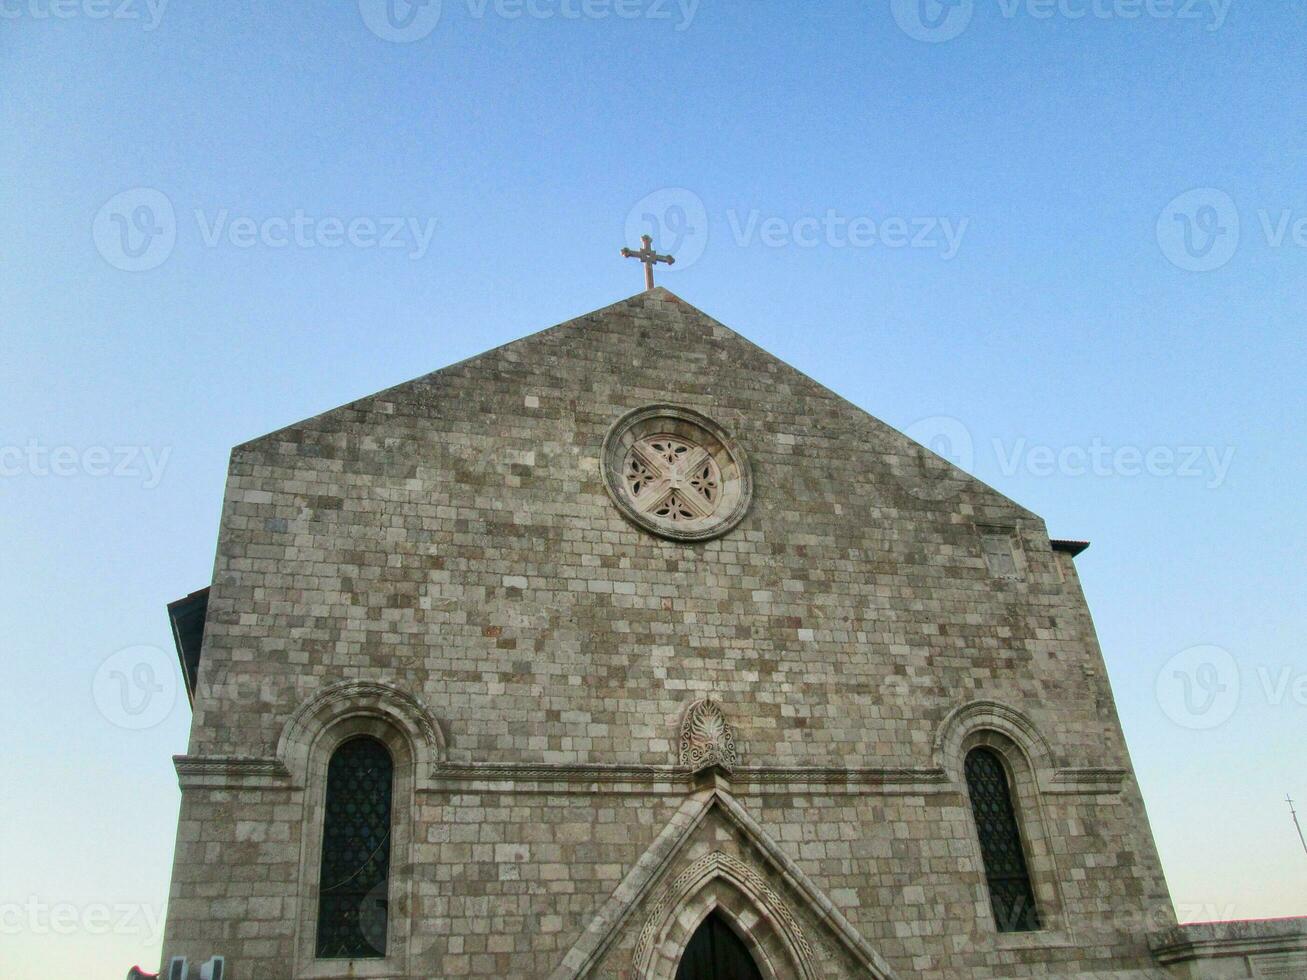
(1289, 799)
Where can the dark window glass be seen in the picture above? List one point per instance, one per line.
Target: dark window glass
(1010, 891)
(352, 903)
(715, 952)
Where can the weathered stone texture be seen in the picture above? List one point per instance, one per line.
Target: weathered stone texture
(452, 538)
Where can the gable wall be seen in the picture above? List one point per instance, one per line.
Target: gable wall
(452, 537)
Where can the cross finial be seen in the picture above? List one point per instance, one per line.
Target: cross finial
(649, 257)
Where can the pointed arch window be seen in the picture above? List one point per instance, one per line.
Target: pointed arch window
(353, 906)
(715, 952)
(1010, 891)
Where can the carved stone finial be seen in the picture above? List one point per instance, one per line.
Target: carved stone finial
(706, 737)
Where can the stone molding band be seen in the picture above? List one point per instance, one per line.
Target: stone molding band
(235, 771)
(1272, 947)
(218, 771)
(706, 744)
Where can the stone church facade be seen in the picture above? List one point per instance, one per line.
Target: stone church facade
(536, 665)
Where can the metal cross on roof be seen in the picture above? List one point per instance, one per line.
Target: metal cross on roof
(649, 257)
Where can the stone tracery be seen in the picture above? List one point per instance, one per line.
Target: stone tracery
(672, 478)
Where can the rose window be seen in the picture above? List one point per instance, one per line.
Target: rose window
(676, 473)
(672, 478)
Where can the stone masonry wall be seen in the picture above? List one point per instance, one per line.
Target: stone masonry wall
(452, 538)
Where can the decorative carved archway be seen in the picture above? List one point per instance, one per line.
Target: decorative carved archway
(719, 884)
(759, 914)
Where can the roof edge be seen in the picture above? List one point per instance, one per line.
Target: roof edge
(1072, 548)
(254, 442)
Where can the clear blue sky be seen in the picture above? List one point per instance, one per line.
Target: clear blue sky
(1067, 312)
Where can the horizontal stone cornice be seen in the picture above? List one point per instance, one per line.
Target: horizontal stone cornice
(244, 771)
(1090, 782)
(578, 777)
(1219, 940)
(214, 771)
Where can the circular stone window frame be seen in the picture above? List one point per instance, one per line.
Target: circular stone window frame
(732, 463)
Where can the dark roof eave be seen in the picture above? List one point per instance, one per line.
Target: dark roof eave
(187, 616)
(1072, 548)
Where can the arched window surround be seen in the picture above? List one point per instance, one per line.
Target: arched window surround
(411, 718)
(1041, 861)
(317, 757)
(1031, 765)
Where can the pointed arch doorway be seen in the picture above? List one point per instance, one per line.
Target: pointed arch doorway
(715, 952)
